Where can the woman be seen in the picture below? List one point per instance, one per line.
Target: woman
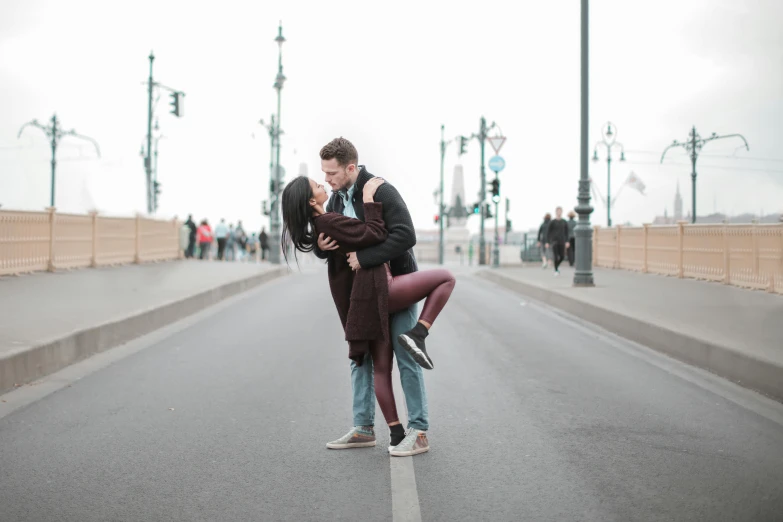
(543, 231)
(571, 245)
(365, 298)
(204, 234)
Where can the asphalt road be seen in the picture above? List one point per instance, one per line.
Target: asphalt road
(533, 417)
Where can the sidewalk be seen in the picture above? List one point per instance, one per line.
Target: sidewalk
(48, 321)
(732, 332)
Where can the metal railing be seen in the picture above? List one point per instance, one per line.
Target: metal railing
(749, 256)
(35, 241)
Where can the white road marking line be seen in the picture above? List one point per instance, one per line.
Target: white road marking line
(405, 497)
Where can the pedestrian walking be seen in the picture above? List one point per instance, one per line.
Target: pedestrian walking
(191, 237)
(263, 242)
(184, 236)
(252, 247)
(241, 244)
(231, 242)
(557, 238)
(204, 236)
(221, 234)
(543, 230)
(571, 245)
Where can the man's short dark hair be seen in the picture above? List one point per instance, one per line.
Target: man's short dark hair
(342, 150)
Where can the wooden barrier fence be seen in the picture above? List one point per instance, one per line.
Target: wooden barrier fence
(34, 241)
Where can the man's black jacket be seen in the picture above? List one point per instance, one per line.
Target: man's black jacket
(397, 249)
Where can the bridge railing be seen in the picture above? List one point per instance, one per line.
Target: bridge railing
(35, 241)
(749, 256)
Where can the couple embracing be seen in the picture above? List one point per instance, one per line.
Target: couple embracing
(366, 235)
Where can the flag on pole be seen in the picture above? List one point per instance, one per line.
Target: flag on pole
(634, 182)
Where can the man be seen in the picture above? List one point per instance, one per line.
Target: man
(542, 241)
(340, 164)
(557, 237)
(263, 240)
(231, 240)
(571, 245)
(221, 234)
(191, 237)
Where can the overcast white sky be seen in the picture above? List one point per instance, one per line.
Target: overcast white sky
(386, 78)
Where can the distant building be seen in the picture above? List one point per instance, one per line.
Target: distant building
(711, 218)
(678, 204)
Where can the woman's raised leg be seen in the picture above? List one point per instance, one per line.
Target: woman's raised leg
(434, 285)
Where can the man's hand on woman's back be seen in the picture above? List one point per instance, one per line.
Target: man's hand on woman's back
(326, 243)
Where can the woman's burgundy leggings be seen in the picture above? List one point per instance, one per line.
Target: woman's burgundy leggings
(404, 291)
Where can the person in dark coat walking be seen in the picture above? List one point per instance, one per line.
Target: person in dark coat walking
(571, 245)
(543, 230)
(263, 241)
(557, 237)
(191, 237)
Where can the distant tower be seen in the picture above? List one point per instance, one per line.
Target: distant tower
(458, 215)
(678, 205)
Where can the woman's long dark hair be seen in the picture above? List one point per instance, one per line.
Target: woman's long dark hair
(298, 224)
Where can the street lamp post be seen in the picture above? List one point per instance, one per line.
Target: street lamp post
(693, 146)
(608, 139)
(583, 276)
(147, 159)
(441, 208)
(496, 249)
(155, 184)
(482, 137)
(274, 218)
(55, 133)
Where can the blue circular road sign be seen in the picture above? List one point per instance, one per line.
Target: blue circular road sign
(496, 163)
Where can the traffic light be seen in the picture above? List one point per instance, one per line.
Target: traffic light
(156, 185)
(176, 108)
(476, 208)
(437, 219)
(463, 145)
(264, 209)
(496, 190)
(488, 211)
(508, 225)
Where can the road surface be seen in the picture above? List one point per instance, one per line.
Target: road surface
(534, 416)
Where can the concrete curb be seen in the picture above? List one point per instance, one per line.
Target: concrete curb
(759, 375)
(33, 363)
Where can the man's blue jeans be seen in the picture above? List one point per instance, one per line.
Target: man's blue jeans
(411, 375)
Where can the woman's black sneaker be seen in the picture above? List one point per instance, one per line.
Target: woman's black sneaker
(413, 342)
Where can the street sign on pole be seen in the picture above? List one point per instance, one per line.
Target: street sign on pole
(497, 143)
(496, 163)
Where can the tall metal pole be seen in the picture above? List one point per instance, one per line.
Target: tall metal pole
(483, 195)
(496, 252)
(155, 175)
(609, 187)
(274, 219)
(148, 159)
(272, 141)
(693, 146)
(56, 133)
(55, 136)
(505, 233)
(694, 155)
(440, 204)
(583, 276)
